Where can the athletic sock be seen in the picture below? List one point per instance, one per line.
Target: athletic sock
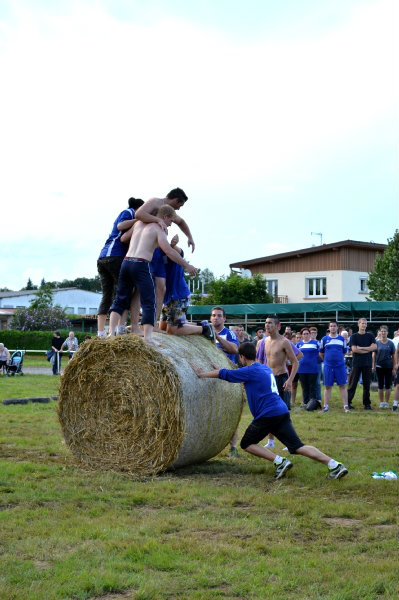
(333, 464)
(395, 403)
(278, 460)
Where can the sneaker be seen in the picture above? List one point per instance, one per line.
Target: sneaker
(367, 407)
(270, 444)
(209, 332)
(325, 409)
(233, 452)
(395, 407)
(382, 404)
(120, 330)
(101, 334)
(386, 404)
(282, 468)
(337, 473)
(351, 407)
(346, 408)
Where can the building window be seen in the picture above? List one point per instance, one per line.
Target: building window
(70, 310)
(363, 285)
(316, 287)
(93, 311)
(272, 286)
(81, 310)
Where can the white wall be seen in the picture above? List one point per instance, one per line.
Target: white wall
(342, 286)
(73, 299)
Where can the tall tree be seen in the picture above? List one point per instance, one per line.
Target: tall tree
(43, 298)
(29, 285)
(383, 281)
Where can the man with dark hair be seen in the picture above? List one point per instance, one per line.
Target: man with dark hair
(176, 198)
(333, 349)
(362, 345)
(110, 260)
(270, 414)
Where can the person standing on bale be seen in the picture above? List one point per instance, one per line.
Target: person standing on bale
(271, 414)
(135, 270)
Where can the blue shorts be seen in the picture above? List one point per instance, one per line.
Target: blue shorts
(157, 265)
(335, 373)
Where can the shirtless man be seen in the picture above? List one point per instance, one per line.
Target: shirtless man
(278, 351)
(148, 214)
(135, 270)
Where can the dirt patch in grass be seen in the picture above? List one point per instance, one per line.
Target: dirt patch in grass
(351, 439)
(126, 594)
(343, 521)
(42, 565)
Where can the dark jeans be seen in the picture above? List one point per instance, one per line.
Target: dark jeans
(108, 268)
(353, 380)
(285, 396)
(309, 385)
(136, 274)
(57, 363)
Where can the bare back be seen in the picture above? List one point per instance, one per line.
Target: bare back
(144, 240)
(278, 350)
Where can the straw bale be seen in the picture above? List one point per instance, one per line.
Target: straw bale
(128, 406)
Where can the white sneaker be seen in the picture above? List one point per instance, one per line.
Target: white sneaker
(386, 404)
(120, 330)
(270, 444)
(382, 404)
(101, 334)
(325, 409)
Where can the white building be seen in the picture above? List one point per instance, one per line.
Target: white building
(328, 273)
(75, 301)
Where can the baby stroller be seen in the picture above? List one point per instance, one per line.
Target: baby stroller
(16, 362)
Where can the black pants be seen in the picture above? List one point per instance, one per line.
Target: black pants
(309, 386)
(108, 268)
(353, 380)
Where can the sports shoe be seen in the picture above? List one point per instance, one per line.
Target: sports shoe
(382, 404)
(101, 334)
(120, 330)
(386, 404)
(282, 468)
(351, 407)
(337, 473)
(270, 444)
(367, 407)
(395, 407)
(346, 409)
(325, 409)
(208, 332)
(233, 452)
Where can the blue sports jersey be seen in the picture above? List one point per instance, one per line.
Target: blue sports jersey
(334, 349)
(176, 286)
(310, 351)
(113, 246)
(229, 336)
(261, 389)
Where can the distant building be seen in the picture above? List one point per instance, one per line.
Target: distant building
(328, 273)
(74, 300)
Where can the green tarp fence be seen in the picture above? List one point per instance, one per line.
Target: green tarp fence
(299, 308)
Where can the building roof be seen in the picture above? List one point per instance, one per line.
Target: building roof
(29, 292)
(311, 250)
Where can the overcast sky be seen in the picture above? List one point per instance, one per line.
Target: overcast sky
(278, 119)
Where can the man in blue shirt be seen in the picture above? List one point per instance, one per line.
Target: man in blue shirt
(271, 414)
(110, 260)
(332, 351)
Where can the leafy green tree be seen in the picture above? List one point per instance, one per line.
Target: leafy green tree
(42, 283)
(43, 298)
(237, 290)
(383, 281)
(29, 285)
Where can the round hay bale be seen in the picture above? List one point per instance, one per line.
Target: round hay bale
(125, 405)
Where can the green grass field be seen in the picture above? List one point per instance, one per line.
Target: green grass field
(220, 530)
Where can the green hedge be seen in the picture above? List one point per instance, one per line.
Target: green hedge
(33, 340)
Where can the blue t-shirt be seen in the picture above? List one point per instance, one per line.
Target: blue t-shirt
(261, 388)
(176, 286)
(310, 351)
(334, 349)
(113, 246)
(229, 336)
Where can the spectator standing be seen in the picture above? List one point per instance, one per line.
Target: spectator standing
(308, 368)
(362, 345)
(71, 343)
(4, 356)
(313, 336)
(332, 350)
(384, 364)
(56, 344)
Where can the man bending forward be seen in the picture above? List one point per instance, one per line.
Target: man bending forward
(135, 270)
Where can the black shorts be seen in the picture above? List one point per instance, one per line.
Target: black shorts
(281, 427)
(384, 377)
